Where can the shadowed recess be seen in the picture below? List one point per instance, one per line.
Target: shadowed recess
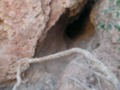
(78, 26)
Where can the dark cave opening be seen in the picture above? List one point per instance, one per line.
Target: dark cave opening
(64, 34)
(77, 27)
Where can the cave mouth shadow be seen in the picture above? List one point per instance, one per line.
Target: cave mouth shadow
(64, 35)
(77, 27)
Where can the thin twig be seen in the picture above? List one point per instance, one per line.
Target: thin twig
(18, 77)
(81, 83)
(99, 83)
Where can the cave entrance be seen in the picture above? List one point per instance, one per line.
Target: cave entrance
(65, 35)
(82, 25)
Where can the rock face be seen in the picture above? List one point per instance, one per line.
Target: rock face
(36, 28)
(22, 23)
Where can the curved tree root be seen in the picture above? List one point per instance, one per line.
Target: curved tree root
(107, 74)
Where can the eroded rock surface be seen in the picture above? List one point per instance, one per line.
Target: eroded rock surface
(22, 23)
(96, 67)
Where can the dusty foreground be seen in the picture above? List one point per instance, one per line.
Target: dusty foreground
(59, 45)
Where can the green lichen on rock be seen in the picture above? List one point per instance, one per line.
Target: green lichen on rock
(112, 14)
(109, 19)
(117, 27)
(118, 3)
